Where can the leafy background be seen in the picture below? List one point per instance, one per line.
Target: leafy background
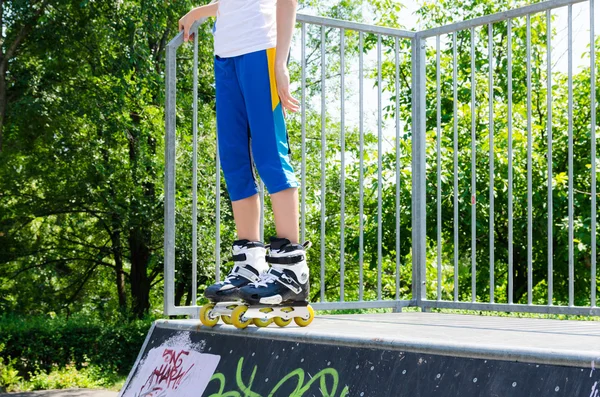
(81, 163)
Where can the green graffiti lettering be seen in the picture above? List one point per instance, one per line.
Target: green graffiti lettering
(345, 392)
(326, 377)
(297, 372)
(221, 379)
(240, 382)
(322, 377)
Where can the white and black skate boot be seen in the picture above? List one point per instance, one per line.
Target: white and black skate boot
(282, 293)
(249, 266)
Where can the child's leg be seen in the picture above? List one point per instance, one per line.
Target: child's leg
(246, 213)
(269, 138)
(285, 211)
(234, 149)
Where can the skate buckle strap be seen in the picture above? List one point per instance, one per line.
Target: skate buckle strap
(285, 260)
(245, 273)
(286, 281)
(239, 258)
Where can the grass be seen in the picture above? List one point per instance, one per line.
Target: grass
(40, 353)
(68, 377)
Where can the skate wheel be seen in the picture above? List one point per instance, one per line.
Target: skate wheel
(205, 317)
(281, 322)
(226, 319)
(262, 323)
(304, 321)
(237, 317)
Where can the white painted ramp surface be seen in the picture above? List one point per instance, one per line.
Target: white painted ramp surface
(558, 342)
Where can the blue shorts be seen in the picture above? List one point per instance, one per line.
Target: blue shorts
(250, 125)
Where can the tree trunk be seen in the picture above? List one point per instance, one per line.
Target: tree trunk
(188, 299)
(140, 229)
(140, 284)
(179, 292)
(2, 104)
(118, 256)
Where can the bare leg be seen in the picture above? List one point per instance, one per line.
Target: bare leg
(285, 211)
(246, 213)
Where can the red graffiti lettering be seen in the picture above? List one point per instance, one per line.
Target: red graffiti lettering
(169, 374)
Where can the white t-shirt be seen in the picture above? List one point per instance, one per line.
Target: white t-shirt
(245, 26)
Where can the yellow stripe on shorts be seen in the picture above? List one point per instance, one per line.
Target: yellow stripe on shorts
(274, 94)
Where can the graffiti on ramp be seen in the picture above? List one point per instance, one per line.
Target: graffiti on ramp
(176, 368)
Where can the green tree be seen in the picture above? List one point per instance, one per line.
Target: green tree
(82, 170)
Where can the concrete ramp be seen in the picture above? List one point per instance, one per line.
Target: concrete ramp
(395, 355)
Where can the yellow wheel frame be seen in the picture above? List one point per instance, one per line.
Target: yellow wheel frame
(205, 318)
(237, 315)
(262, 323)
(303, 322)
(259, 322)
(227, 319)
(281, 322)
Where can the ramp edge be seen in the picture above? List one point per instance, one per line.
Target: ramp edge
(444, 348)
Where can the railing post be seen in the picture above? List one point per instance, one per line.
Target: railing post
(418, 169)
(170, 119)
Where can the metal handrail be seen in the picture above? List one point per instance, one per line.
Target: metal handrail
(497, 17)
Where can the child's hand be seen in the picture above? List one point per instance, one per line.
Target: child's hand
(185, 23)
(197, 14)
(282, 77)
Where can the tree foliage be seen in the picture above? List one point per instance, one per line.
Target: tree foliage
(81, 161)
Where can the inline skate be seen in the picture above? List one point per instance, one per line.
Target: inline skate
(249, 266)
(282, 294)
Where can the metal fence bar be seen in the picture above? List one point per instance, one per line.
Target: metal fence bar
(510, 167)
(593, 155)
(170, 156)
(549, 135)
(498, 17)
(361, 191)
(439, 168)
(570, 132)
(342, 160)
(379, 168)
(323, 154)
(397, 119)
(473, 175)
(419, 213)
(491, 127)
(455, 153)
(303, 121)
(195, 173)
(529, 172)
